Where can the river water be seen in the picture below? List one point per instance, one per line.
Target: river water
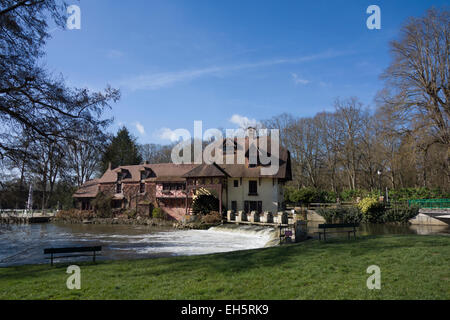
(23, 244)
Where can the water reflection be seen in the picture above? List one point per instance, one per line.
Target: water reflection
(380, 229)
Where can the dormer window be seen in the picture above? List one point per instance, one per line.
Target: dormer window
(119, 176)
(143, 175)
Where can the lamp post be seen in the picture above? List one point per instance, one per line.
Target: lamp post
(379, 181)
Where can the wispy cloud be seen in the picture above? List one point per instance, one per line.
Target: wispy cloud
(165, 79)
(140, 128)
(298, 80)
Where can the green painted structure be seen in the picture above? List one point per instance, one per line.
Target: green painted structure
(430, 203)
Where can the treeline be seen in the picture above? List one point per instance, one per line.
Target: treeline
(57, 169)
(404, 142)
(45, 124)
(305, 196)
(52, 136)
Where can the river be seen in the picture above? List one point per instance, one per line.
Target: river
(23, 244)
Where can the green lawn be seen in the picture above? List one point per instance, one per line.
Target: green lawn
(412, 267)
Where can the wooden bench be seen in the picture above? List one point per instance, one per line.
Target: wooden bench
(326, 226)
(53, 251)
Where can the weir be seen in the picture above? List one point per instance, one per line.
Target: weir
(270, 234)
(25, 216)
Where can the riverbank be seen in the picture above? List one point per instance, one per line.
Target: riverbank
(412, 267)
(138, 221)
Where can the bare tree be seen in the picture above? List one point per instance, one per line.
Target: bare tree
(417, 85)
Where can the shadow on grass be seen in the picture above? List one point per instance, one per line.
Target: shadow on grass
(36, 271)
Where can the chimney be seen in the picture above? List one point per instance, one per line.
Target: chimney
(251, 132)
(109, 166)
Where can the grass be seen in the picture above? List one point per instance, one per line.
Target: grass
(412, 267)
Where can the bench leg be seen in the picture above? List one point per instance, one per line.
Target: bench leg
(94, 257)
(324, 236)
(51, 259)
(320, 236)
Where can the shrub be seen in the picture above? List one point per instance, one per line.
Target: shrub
(102, 205)
(400, 214)
(211, 218)
(308, 195)
(351, 195)
(74, 214)
(205, 203)
(341, 214)
(405, 194)
(371, 209)
(158, 213)
(131, 213)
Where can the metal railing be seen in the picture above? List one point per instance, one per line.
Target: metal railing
(430, 203)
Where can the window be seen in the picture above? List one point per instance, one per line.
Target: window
(173, 186)
(234, 206)
(119, 188)
(142, 188)
(236, 183)
(250, 206)
(119, 176)
(253, 187)
(143, 175)
(181, 186)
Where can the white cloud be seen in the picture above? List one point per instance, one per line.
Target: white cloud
(298, 80)
(165, 79)
(140, 128)
(167, 134)
(244, 122)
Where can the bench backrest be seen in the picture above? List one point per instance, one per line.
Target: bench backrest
(338, 225)
(72, 249)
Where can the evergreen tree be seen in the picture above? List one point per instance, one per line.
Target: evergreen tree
(123, 150)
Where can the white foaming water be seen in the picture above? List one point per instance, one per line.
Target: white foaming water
(216, 239)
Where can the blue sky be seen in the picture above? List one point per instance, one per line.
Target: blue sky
(180, 61)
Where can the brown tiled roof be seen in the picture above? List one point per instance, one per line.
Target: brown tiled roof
(206, 170)
(169, 172)
(158, 171)
(88, 190)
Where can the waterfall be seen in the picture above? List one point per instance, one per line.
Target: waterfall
(268, 234)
